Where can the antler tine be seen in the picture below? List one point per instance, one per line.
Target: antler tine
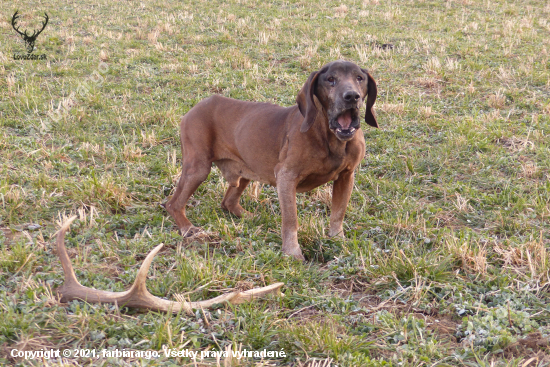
(138, 296)
(70, 277)
(14, 20)
(255, 293)
(238, 297)
(36, 33)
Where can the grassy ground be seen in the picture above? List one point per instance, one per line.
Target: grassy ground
(446, 256)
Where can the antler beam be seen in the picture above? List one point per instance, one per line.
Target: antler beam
(14, 21)
(44, 23)
(138, 296)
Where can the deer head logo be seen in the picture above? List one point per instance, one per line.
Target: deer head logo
(29, 39)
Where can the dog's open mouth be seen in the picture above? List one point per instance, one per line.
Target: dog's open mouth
(342, 124)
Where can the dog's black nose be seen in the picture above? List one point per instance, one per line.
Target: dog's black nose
(351, 96)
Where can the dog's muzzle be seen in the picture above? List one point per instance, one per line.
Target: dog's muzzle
(345, 124)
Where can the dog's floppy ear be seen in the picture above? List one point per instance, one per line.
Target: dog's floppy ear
(372, 91)
(305, 101)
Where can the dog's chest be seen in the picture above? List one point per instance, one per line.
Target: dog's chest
(324, 171)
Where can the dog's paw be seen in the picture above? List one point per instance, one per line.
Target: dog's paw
(190, 231)
(295, 253)
(247, 215)
(336, 233)
(237, 210)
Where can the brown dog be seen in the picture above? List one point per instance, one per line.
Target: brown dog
(294, 148)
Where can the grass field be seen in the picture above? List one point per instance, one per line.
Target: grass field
(446, 256)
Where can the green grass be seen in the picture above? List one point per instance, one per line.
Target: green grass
(445, 260)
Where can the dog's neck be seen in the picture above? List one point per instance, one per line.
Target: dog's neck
(336, 146)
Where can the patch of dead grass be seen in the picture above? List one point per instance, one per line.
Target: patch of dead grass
(529, 169)
(472, 255)
(392, 108)
(529, 259)
(497, 100)
(515, 144)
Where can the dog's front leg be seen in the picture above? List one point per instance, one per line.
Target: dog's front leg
(341, 193)
(286, 189)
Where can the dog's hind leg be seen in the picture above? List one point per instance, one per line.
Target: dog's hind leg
(192, 175)
(230, 201)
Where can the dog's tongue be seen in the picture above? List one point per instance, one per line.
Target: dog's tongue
(345, 120)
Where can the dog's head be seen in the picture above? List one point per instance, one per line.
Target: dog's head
(341, 88)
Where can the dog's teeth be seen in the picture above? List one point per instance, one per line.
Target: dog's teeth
(339, 130)
(352, 129)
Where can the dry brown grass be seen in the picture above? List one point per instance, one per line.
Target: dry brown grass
(497, 100)
(391, 108)
(529, 259)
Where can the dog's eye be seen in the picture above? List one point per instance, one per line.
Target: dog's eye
(359, 78)
(331, 80)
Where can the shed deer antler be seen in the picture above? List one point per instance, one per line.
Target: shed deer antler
(138, 296)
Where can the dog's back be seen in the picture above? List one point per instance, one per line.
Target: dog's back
(250, 133)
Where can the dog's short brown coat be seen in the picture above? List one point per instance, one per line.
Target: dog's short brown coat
(294, 148)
